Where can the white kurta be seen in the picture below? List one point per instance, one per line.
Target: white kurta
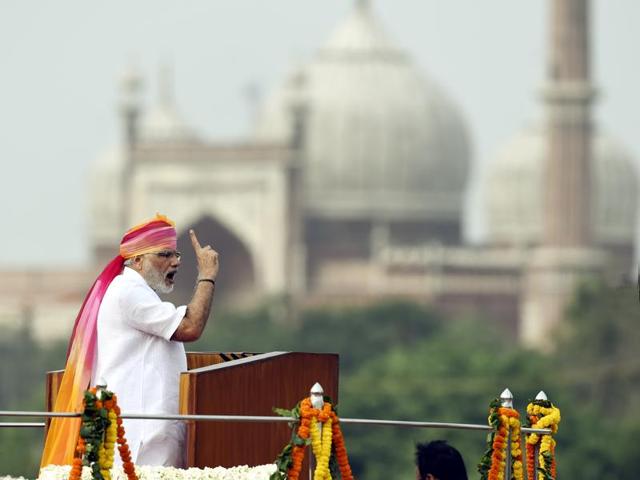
(141, 365)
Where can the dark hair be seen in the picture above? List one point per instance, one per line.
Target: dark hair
(440, 460)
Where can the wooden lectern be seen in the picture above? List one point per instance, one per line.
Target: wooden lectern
(240, 384)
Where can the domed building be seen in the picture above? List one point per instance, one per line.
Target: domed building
(382, 140)
(386, 152)
(110, 175)
(351, 188)
(515, 191)
(354, 153)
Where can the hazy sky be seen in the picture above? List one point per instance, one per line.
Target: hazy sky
(60, 62)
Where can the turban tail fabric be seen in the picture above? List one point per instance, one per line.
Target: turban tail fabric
(153, 236)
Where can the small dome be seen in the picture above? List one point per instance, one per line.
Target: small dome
(163, 122)
(514, 196)
(106, 197)
(379, 136)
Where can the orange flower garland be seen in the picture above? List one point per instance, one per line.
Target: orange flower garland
(304, 431)
(76, 467)
(340, 450)
(290, 460)
(531, 461)
(493, 463)
(101, 428)
(542, 413)
(123, 448)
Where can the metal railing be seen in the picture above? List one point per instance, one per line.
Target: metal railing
(506, 399)
(253, 418)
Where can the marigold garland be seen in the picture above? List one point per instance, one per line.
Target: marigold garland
(100, 431)
(321, 445)
(542, 414)
(492, 465)
(326, 446)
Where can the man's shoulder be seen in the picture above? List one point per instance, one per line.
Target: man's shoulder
(127, 285)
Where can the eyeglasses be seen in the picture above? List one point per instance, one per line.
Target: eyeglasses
(169, 254)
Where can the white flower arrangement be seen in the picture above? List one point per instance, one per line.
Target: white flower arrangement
(261, 472)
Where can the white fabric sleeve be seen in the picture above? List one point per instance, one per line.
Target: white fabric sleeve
(143, 310)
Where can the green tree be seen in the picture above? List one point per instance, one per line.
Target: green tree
(449, 377)
(22, 366)
(403, 361)
(356, 333)
(598, 373)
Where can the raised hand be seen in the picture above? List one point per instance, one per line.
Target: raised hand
(206, 257)
(199, 308)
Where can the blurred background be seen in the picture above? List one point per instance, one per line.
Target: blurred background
(443, 193)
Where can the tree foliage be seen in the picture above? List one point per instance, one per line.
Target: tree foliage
(22, 367)
(403, 361)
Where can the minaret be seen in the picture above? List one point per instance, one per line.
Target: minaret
(295, 268)
(130, 110)
(568, 97)
(565, 255)
(129, 105)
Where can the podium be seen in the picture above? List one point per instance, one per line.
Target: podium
(240, 384)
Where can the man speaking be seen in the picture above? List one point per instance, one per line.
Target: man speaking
(127, 338)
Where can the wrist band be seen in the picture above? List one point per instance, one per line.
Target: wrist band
(213, 282)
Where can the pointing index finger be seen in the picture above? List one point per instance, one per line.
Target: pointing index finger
(194, 240)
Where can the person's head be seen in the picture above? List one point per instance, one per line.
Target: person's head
(438, 460)
(150, 249)
(158, 269)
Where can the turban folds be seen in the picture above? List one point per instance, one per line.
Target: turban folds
(155, 235)
(149, 237)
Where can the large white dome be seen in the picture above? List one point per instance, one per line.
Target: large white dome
(380, 138)
(514, 189)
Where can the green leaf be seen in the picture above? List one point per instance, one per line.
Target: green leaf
(283, 412)
(297, 440)
(334, 468)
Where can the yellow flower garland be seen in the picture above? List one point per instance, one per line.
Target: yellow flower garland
(289, 462)
(107, 450)
(321, 445)
(543, 414)
(516, 448)
(101, 429)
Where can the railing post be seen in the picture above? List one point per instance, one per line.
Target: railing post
(536, 449)
(316, 395)
(506, 400)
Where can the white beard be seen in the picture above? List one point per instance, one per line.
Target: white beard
(155, 279)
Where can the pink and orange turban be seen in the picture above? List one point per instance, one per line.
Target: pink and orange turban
(155, 235)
